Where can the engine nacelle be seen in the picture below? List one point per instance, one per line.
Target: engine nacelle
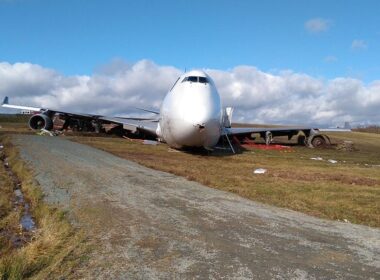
(40, 121)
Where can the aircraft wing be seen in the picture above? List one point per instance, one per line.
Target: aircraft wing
(312, 136)
(135, 125)
(267, 133)
(280, 131)
(6, 104)
(275, 131)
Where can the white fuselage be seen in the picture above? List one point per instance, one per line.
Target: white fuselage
(191, 113)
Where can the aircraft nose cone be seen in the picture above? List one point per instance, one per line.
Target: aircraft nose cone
(195, 116)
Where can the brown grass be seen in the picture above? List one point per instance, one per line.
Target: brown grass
(348, 190)
(369, 129)
(55, 247)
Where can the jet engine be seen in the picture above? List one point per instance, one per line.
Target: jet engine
(40, 121)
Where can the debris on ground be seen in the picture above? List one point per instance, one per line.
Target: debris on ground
(1, 147)
(346, 146)
(150, 142)
(260, 171)
(267, 147)
(332, 161)
(46, 132)
(316, 158)
(248, 143)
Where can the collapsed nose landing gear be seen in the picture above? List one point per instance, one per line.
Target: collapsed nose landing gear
(201, 127)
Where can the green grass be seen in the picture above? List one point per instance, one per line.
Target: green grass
(56, 247)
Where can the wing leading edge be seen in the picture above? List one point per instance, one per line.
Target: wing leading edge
(146, 126)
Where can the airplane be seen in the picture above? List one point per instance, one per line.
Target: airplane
(191, 115)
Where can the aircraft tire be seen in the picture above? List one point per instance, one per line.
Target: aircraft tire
(318, 141)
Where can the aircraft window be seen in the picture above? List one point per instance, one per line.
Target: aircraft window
(195, 79)
(203, 80)
(192, 79)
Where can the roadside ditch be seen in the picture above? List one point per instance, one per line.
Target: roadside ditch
(36, 239)
(17, 236)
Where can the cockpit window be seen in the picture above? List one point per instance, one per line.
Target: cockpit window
(203, 80)
(195, 79)
(192, 79)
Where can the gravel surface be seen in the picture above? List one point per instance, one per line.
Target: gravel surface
(148, 224)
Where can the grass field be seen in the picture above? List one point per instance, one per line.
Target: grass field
(347, 190)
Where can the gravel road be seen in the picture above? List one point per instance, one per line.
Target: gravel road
(149, 224)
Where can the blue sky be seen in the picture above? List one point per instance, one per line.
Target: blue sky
(77, 36)
(284, 61)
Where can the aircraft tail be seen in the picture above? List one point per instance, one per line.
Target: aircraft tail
(6, 100)
(227, 116)
(347, 125)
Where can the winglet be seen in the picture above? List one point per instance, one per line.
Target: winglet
(5, 101)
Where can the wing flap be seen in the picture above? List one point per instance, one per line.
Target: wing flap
(134, 126)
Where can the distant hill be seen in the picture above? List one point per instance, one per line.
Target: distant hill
(369, 129)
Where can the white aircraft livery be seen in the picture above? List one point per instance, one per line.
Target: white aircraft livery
(191, 115)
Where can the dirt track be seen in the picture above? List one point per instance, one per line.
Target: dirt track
(153, 225)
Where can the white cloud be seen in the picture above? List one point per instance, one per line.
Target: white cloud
(359, 45)
(260, 97)
(317, 25)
